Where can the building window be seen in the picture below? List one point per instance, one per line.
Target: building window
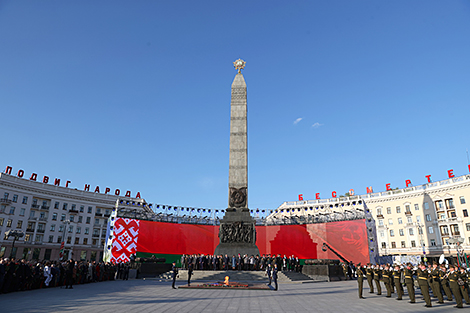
(87, 231)
(38, 238)
(59, 239)
(455, 230)
(42, 215)
(64, 206)
(97, 221)
(70, 228)
(418, 218)
(409, 219)
(466, 225)
(442, 216)
(389, 210)
(74, 207)
(431, 230)
(72, 217)
(402, 233)
(9, 223)
(420, 230)
(403, 244)
(27, 238)
(439, 205)
(1, 221)
(69, 240)
(462, 199)
(51, 239)
(2, 208)
(381, 222)
(22, 211)
(12, 210)
(394, 244)
(54, 217)
(77, 240)
(62, 218)
(390, 221)
(85, 241)
(80, 219)
(400, 221)
(433, 242)
(15, 198)
(61, 228)
(90, 209)
(53, 227)
(88, 219)
(407, 208)
(428, 217)
(450, 203)
(19, 224)
(35, 203)
(413, 244)
(445, 230)
(416, 207)
(56, 205)
(384, 245)
(31, 214)
(82, 208)
(5, 195)
(108, 212)
(392, 233)
(79, 229)
(398, 209)
(453, 214)
(103, 232)
(465, 213)
(25, 200)
(411, 232)
(382, 233)
(426, 205)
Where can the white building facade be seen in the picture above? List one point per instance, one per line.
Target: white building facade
(49, 215)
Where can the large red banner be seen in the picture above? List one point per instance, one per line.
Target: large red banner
(348, 238)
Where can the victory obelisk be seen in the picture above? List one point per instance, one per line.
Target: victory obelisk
(237, 233)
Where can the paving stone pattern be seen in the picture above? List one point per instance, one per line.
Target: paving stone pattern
(151, 295)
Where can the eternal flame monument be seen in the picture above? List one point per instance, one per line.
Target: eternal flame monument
(237, 231)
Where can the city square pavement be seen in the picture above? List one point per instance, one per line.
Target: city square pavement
(155, 296)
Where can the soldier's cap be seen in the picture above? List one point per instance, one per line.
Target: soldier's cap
(434, 263)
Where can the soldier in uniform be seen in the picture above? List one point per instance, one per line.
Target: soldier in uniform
(445, 282)
(423, 283)
(454, 286)
(360, 280)
(175, 273)
(386, 276)
(409, 281)
(377, 273)
(436, 283)
(345, 270)
(397, 281)
(370, 277)
(464, 287)
(268, 273)
(274, 274)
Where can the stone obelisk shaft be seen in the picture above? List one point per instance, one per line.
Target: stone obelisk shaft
(238, 163)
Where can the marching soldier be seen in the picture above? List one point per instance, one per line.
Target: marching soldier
(436, 283)
(445, 282)
(345, 270)
(397, 281)
(423, 275)
(409, 281)
(454, 286)
(370, 277)
(377, 273)
(464, 286)
(386, 274)
(360, 279)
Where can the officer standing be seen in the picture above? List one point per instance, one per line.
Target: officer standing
(268, 273)
(386, 274)
(454, 286)
(397, 281)
(377, 274)
(410, 284)
(190, 273)
(436, 283)
(175, 273)
(360, 280)
(423, 275)
(370, 278)
(275, 276)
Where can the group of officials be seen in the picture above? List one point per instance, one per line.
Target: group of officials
(451, 282)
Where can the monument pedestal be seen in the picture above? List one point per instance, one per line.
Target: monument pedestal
(237, 234)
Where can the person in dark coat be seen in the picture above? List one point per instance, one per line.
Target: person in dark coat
(69, 274)
(175, 273)
(268, 273)
(275, 276)
(190, 273)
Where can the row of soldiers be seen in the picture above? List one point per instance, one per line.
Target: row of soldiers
(239, 262)
(451, 282)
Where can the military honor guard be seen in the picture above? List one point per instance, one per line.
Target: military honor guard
(387, 279)
(423, 275)
(436, 283)
(445, 282)
(463, 283)
(454, 286)
(409, 282)
(370, 277)
(360, 280)
(377, 275)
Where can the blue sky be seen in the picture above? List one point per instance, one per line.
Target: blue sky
(136, 95)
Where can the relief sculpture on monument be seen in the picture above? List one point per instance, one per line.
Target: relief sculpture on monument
(237, 197)
(236, 232)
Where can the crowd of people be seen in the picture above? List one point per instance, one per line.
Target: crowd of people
(21, 275)
(451, 282)
(240, 262)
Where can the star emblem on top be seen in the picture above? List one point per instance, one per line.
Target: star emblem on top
(239, 65)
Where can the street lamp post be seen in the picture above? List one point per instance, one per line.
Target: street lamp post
(15, 234)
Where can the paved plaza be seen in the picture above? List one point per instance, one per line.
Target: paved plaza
(155, 296)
